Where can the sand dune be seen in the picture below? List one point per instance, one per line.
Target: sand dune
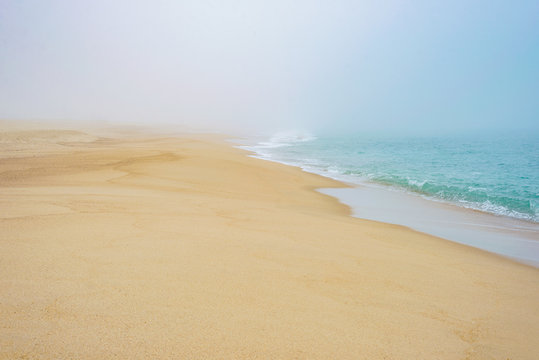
(185, 248)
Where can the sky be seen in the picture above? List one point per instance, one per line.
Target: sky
(323, 66)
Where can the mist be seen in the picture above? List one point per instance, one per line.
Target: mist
(261, 66)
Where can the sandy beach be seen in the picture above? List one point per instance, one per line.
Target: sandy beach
(158, 247)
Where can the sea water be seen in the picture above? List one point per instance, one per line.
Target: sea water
(495, 174)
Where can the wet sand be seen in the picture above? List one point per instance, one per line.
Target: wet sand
(514, 238)
(183, 247)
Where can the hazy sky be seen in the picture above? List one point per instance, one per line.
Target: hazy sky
(350, 65)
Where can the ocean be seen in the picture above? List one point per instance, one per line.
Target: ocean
(422, 182)
(495, 174)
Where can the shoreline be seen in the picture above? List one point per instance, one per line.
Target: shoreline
(259, 145)
(185, 247)
(513, 238)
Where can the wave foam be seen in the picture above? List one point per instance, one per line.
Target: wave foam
(287, 138)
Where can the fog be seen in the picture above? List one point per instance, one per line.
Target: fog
(331, 66)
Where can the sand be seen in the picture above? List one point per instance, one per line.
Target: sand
(185, 248)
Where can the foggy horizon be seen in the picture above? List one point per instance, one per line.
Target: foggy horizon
(265, 67)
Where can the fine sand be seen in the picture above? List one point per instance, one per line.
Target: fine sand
(185, 248)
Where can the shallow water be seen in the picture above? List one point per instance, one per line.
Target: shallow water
(496, 174)
(481, 191)
(514, 238)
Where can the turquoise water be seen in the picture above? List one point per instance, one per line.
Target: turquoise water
(497, 174)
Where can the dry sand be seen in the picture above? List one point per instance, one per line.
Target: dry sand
(185, 248)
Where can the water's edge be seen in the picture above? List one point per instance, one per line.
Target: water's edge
(508, 237)
(512, 238)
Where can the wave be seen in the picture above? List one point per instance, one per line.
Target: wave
(471, 197)
(300, 149)
(467, 196)
(286, 138)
